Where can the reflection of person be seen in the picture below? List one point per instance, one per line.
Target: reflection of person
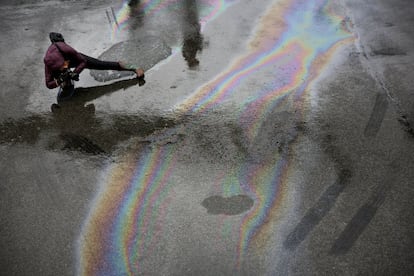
(60, 57)
(193, 40)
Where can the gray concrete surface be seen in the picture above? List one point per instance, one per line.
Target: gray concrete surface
(276, 138)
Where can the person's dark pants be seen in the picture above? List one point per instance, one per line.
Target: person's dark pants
(96, 64)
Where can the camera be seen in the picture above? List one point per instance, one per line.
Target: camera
(67, 77)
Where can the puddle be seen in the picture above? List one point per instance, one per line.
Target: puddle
(143, 52)
(233, 205)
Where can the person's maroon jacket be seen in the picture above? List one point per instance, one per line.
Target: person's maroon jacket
(54, 61)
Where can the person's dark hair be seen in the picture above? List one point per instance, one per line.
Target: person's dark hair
(56, 37)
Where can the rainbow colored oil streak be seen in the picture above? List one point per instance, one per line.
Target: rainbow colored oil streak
(299, 37)
(210, 9)
(294, 40)
(128, 214)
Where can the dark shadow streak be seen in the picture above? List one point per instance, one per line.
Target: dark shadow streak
(377, 115)
(317, 212)
(360, 221)
(314, 215)
(87, 94)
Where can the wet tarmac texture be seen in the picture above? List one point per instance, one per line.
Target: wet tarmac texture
(270, 138)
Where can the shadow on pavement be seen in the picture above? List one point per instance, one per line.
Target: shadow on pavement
(75, 126)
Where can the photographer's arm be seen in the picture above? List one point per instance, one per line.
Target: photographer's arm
(50, 81)
(76, 57)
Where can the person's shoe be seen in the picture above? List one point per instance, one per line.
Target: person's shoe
(141, 81)
(55, 108)
(90, 108)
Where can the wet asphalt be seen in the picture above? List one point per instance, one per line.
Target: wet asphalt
(244, 153)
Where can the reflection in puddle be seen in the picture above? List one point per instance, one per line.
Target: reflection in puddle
(143, 51)
(191, 28)
(192, 16)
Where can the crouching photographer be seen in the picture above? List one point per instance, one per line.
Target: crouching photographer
(60, 58)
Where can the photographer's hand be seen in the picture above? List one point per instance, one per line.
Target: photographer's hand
(63, 84)
(74, 76)
(60, 82)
